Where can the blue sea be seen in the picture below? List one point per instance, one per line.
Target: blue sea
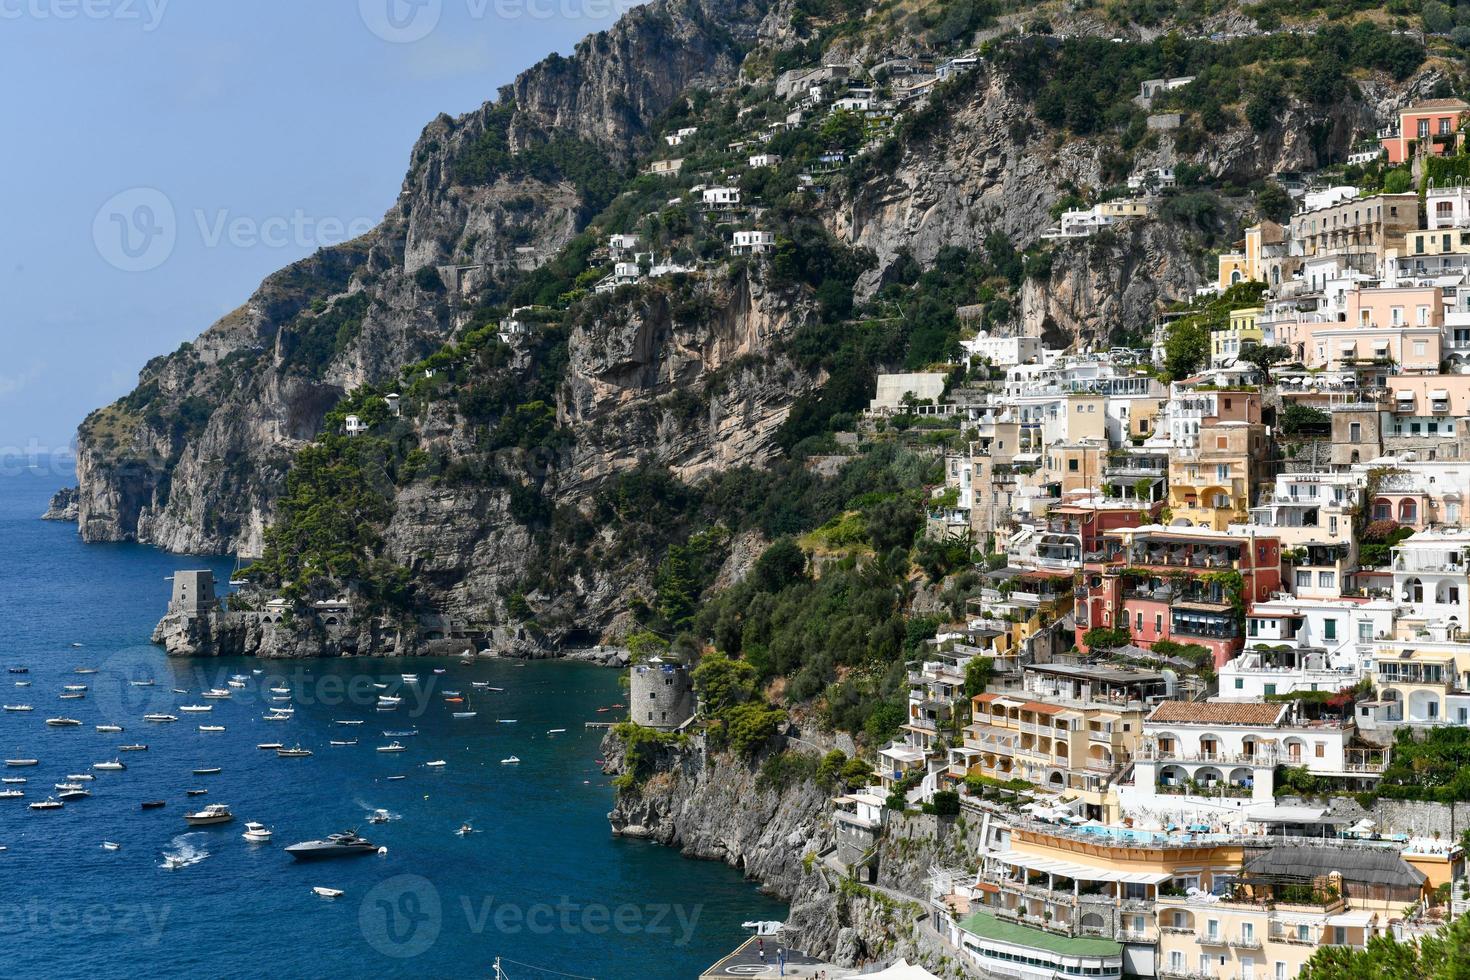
(540, 882)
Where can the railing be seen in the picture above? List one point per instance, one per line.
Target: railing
(1245, 942)
(1206, 940)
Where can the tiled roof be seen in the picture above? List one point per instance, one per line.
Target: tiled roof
(1216, 713)
(1429, 105)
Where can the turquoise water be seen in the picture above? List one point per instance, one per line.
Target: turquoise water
(540, 881)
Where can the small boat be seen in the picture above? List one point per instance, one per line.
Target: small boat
(555, 731)
(392, 778)
(389, 699)
(196, 708)
(276, 710)
(154, 804)
(464, 714)
(256, 670)
(108, 845)
(47, 804)
(72, 795)
(196, 792)
(381, 687)
(180, 690)
(11, 794)
(276, 716)
(173, 862)
(345, 844)
(256, 833)
(480, 684)
(404, 734)
(451, 694)
(409, 678)
(439, 670)
(18, 670)
(18, 707)
(160, 718)
(73, 696)
(510, 762)
(73, 687)
(13, 780)
(465, 830)
(62, 722)
(139, 747)
(17, 763)
(454, 700)
(208, 771)
(215, 693)
(294, 753)
(379, 816)
(109, 729)
(211, 728)
(346, 742)
(237, 685)
(391, 747)
(349, 722)
(65, 787)
(436, 764)
(142, 683)
(215, 813)
(280, 690)
(505, 721)
(114, 766)
(22, 683)
(326, 892)
(618, 706)
(269, 745)
(81, 777)
(83, 670)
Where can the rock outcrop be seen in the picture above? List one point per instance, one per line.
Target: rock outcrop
(63, 505)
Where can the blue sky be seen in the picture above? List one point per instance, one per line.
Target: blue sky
(266, 127)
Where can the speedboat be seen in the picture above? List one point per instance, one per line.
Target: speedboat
(114, 766)
(555, 731)
(391, 747)
(325, 892)
(465, 714)
(71, 795)
(280, 690)
(65, 787)
(436, 764)
(343, 742)
(215, 693)
(381, 687)
(256, 833)
(282, 710)
(215, 813)
(389, 699)
(73, 687)
(480, 684)
(237, 685)
(210, 771)
(148, 683)
(18, 707)
(211, 728)
(269, 745)
(346, 844)
(62, 722)
(465, 830)
(108, 845)
(17, 763)
(196, 792)
(22, 683)
(409, 678)
(510, 762)
(83, 670)
(293, 753)
(392, 778)
(172, 862)
(180, 690)
(109, 729)
(160, 718)
(196, 708)
(276, 716)
(379, 816)
(73, 695)
(47, 804)
(404, 734)
(505, 721)
(13, 780)
(439, 670)
(133, 748)
(18, 670)
(154, 804)
(80, 777)
(11, 794)
(344, 722)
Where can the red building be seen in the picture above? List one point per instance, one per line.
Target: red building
(1185, 584)
(1073, 528)
(1429, 128)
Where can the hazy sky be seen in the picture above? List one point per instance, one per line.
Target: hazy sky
(159, 157)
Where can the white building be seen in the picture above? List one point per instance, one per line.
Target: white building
(354, 425)
(1003, 351)
(1429, 582)
(720, 196)
(1297, 645)
(1447, 207)
(678, 138)
(752, 242)
(620, 245)
(765, 159)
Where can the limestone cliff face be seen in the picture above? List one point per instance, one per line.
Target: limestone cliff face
(63, 506)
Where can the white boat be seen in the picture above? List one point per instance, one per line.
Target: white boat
(22, 683)
(142, 683)
(73, 696)
(392, 778)
(256, 833)
(67, 787)
(211, 728)
(18, 707)
(11, 794)
(276, 716)
(114, 766)
(13, 780)
(465, 714)
(391, 747)
(381, 687)
(132, 748)
(343, 742)
(47, 804)
(237, 685)
(173, 862)
(389, 699)
(480, 684)
(17, 763)
(109, 729)
(294, 753)
(216, 693)
(379, 816)
(269, 745)
(68, 795)
(465, 829)
(327, 892)
(80, 777)
(409, 678)
(555, 731)
(180, 690)
(196, 708)
(83, 670)
(73, 687)
(62, 722)
(256, 670)
(208, 771)
(210, 815)
(505, 721)
(278, 710)
(436, 764)
(510, 762)
(280, 690)
(160, 718)
(108, 845)
(343, 722)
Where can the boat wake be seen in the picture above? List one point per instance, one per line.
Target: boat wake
(370, 810)
(186, 851)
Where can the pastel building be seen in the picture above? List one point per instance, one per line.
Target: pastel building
(1429, 128)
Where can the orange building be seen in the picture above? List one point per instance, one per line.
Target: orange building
(1431, 127)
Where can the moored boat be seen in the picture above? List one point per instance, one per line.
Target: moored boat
(346, 844)
(215, 813)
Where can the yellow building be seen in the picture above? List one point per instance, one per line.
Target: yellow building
(1248, 262)
(1210, 482)
(1243, 331)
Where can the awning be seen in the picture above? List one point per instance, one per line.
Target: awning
(1439, 395)
(1380, 345)
(1352, 920)
(1405, 396)
(1081, 872)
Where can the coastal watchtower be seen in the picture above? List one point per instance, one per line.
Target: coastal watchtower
(660, 694)
(193, 593)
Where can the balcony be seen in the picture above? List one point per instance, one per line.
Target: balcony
(1245, 942)
(1206, 940)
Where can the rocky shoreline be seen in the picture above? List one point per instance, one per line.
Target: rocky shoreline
(65, 505)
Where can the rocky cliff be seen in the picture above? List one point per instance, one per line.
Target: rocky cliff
(63, 506)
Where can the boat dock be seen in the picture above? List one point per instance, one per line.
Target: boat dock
(598, 724)
(747, 961)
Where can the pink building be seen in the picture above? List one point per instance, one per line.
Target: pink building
(1431, 127)
(1387, 326)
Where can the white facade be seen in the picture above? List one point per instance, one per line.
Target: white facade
(1004, 351)
(720, 196)
(354, 425)
(752, 242)
(765, 159)
(1447, 207)
(619, 244)
(1429, 581)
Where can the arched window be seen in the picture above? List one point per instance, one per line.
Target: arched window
(1383, 509)
(1408, 511)
(1413, 590)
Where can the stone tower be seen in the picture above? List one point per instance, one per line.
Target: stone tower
(660, 694)
(193, 593)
